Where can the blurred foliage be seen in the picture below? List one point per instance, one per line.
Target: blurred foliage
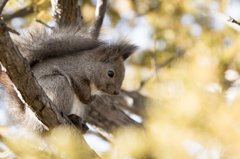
(62, 143)
(196, 112)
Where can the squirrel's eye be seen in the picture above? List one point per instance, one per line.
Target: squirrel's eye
(110, 73)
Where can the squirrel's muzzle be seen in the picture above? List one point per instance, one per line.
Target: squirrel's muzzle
(112, 90)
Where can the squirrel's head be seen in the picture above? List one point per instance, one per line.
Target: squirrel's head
(110, 70)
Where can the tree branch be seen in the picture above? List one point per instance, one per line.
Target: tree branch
(12, 30)
(39, 21)
(133, 102)
(164, 63)
(167, 61)
(20, 13)
(4, 2)
(66, 12)
(99, 15)
(105, 116)
(233, 21)
(16, 67)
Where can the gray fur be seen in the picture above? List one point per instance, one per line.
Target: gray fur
(66, 62)
(38, 44)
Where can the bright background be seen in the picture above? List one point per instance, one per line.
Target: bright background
(196, 112)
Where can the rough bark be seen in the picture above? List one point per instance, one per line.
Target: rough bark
(19, 72)
(66, 12)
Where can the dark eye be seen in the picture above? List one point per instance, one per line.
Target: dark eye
(110, 73)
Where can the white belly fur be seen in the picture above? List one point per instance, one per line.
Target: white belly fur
(78, 107)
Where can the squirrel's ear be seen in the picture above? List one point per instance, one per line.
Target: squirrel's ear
(114, 51)
(124, 50)
(127, 50)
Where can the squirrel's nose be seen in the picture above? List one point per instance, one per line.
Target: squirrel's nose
(115, 92)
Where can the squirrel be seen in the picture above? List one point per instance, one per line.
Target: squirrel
(71, 67)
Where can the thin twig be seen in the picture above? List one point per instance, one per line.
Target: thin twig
(25, 11)
(41, 22)
(154, 56)
(4, 2)
(153, 59)
(11, 30)
(233, 21)
(164, 63)
(99, 15)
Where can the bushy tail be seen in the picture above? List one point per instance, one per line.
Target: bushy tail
(41, 44)
(18, 112)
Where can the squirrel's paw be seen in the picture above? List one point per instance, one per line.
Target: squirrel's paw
(90, 100)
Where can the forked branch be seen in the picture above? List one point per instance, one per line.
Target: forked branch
(11, 30)
(41, 22)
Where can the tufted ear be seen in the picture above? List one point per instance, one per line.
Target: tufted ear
(126, 50)
(114, 51)
(122, 49)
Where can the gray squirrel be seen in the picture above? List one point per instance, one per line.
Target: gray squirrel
(71, 67)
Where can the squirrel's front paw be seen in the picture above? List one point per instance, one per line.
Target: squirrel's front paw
(90, 100)
(78, 122)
